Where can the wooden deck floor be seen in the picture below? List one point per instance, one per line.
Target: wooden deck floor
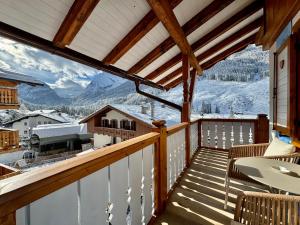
(199, 198)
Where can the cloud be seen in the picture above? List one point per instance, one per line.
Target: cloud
(42, 65)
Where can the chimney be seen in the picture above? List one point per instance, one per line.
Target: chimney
(152, 109)
(144, 109)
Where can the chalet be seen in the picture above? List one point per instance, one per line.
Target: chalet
(171, 175)
(116, 123)
(26, 123)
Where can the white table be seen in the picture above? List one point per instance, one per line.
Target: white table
(266, 171)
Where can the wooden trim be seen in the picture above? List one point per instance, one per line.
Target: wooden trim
(9, 219)
(218, 31)
(202, 17)
(243, 31)
(236, 48)
(24, 37)
(149, 21)
(74, 20)
(166, 15)
(21, 190)
(175, 128)
(192, 86)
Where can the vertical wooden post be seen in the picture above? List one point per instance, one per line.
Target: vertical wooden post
(185, 115)
(199, 134)
(9, 219)
(160, 167)
(262, 129)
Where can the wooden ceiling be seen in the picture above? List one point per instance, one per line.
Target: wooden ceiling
(139, 40)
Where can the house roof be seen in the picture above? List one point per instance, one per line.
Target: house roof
(134, 112)
(132, 39)
(20, 78)
(59, 118)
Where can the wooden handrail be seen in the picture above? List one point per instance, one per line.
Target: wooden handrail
(224, 120)
(173, 129)
(20, 190)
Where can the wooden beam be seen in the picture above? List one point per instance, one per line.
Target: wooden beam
(74, 20)
(218, 31)
(135, 34)
(166, 15)
(24, 37)
(236, 48)
(192, 86)
(234, 37)
(202, 17)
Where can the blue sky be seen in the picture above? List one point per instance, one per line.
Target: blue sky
(49, 68)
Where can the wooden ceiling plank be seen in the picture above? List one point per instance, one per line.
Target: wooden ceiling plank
(234, 37)
(202, 17)
(149, 21)
(236, 48)
(74, 20)
(166, 15)
(218, 31)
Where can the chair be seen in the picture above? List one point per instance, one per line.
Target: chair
(253, 150)
(265, 208)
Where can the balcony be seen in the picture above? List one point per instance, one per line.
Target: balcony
(115, 132)
(9, 140)
(9, 98)
(133, 180)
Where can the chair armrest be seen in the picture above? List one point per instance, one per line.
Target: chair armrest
(248, 199)
(247, 150)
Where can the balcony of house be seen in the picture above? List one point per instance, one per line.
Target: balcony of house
(9, 98)
(171, 175)
(9, 140)
(123, 129)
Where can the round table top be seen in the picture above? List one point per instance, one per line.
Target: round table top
(266, 171)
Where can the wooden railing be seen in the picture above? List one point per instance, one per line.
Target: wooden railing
(126, 183)
(115, 132)
(9, 139)
(224, 133)
(8, 98)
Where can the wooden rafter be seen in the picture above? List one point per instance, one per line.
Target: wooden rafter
(234, 37)
(236, 48)
(166, 15)
(198, 20)
(74, 20)
(135, 34)
(218, 31)
(24, 37)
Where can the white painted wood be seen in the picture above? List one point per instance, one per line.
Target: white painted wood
(39, 17)
(282, 89)
(194, 139)
(220, 134)
(236, 133)
(119, 185)
(136, 175)
(93, 198)
(148, 182)
(59, 207)
(205, 132)
(20, 216)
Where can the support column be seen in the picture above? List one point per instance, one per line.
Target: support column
(160, 167)
(185, 115)
(262, 129)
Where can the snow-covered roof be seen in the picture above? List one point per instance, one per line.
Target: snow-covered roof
(59, 117)
(51, 130)
(17, 77)
(171, 116)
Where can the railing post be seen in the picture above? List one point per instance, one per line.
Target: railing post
(199, 134)
(160, 167)
(262, 129)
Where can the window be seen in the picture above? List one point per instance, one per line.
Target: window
(114, 123)
(25, 123)
(45, 122)
(49, 122)
(125, 124)
(105, 123)
(39, 122)
(25, 132)
(133, 125)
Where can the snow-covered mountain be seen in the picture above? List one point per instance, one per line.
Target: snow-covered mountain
(100, 84)
(41, 95)
(238, 84)
(67, 88)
